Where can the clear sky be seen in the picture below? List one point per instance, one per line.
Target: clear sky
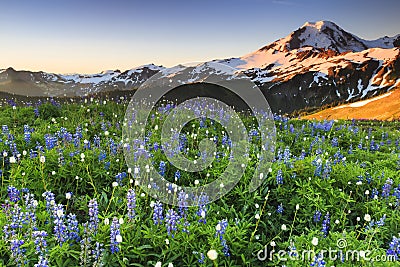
(90, 36)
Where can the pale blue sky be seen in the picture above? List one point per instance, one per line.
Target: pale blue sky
(71, 36)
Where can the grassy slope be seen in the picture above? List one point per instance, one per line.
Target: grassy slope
(387, 108)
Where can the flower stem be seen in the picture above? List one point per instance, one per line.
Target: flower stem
(261, 213)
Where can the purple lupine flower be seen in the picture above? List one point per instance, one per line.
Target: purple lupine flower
(225, 248)
(302, 155)
(182, 142)
(17, 253)
(119, 177)
(50, 141)
(360, 145)
(280, 155)
(40, 241)
(221, 228)
(317, 216)
(253, 133)
(280, 208)
(374, 193)
(78, 132)
(102, 156)
(8, 232)
(327, 170)
(103, 126)
(50, 201)
(387, 187)
(162, 168)
(286, 157)
(113, 146)
(156, 146)
(5, 129)
(85, 246)
(96, 141)
(97, 253)
(350, 151)
(13, 194)
(158, 213)
(394, 248)
(291, 128)
(72, 226)
(335, 142)
(27, 134)
(93, 215)
(36, 111)
(43, 262)
(202, 258)
(368, 177)
(373, 146)
(381, 221)
(33, 154)
(326, 224)
(396, 193)
(182, 203)
(317, 162)
(107, 165)
(60, 229)
(186, 224)
(13, 149)
(318, 261)
(31, 205)
(279, 177)
(292, 250)
(131, 203)
(17, 217)
(30, 202)
(115, 235)
(86, 144)
(202, 211)
(171, 219)
(338, 158)
(315, 141)
(77, 141)
(177, 175)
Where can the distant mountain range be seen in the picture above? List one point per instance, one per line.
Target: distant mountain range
(50, 84)
(316, 65)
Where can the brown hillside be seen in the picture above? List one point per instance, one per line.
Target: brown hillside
(385, 107)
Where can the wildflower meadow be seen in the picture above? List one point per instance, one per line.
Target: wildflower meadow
(68, 197)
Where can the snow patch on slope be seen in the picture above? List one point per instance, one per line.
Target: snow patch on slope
(384, 42)
(91, 78)
(363, 103)
(109, 75)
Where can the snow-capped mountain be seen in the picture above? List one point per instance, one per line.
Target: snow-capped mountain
(130, 78)
(317, 64)
(51, 84)
(329, 36)
(321, 64)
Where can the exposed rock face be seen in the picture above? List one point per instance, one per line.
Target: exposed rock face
(344, 79)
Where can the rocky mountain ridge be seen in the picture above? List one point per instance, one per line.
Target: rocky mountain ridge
(315, 65)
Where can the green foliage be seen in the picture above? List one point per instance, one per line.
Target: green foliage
(75, 163)
(48, 111)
